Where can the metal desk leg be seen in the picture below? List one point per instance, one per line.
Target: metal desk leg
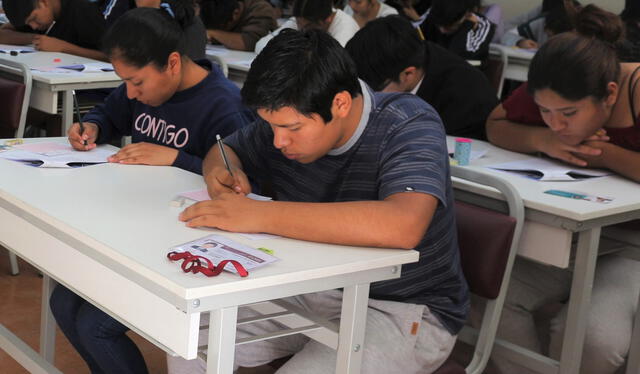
(579, 302)
(222, 340)
(47, 322)
(67, 111)
(352, 327)
(633, 360)
(13, 260)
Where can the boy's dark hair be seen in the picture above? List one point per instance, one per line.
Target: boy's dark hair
(580, 64)
(447, 12)
(17, 11)
(301, 70)
(215, 14)
(396, 44)
(313, 11)
(559, 18)
(145, 36)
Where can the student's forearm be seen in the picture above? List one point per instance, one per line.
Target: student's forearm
(399, 223)
(514, 136)
(622, 161)
(8, 36)
(73, 49)
(231, 40)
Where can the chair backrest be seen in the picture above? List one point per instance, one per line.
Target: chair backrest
(488, 242)
(495, 67)
(221, 63)
(14, 100)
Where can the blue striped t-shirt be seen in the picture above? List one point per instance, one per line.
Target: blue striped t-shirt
(398, 146)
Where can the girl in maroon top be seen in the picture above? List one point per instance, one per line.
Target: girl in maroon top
(581, 106)
(588, 100)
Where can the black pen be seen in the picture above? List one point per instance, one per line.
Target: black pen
(75, 102)
(224, 155)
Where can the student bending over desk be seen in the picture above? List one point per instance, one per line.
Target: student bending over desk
(348, 166)
(69, 26)
(237, 24)
(589, 103)
(316, 14)
(174, 108)
(459, 92)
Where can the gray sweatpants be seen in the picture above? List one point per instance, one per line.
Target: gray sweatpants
(614, 302)
(392, 344)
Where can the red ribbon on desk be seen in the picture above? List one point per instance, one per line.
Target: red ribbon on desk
(194, 264)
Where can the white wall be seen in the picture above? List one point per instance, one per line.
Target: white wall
(511, 8)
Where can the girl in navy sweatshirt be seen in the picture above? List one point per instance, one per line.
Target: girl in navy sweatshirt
(171, 106)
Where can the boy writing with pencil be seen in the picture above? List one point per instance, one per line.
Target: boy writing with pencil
(69, 26)
(348, 166)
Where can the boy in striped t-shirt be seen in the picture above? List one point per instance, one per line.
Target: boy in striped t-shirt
(348, 166)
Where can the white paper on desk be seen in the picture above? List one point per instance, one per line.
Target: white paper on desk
(54, 70)
(218, 248)
(217, 50)
(7, 48)
(91, 67)
(548, 170)
(55, 155)
(190, 197)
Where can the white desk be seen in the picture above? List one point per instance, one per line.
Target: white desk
(44, 94)
(104, 232)
(553, 217)
(517, 61)
(238, 62)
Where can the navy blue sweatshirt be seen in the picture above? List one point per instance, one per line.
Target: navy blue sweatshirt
(188, 121)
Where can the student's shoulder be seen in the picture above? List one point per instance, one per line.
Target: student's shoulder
(402, 109)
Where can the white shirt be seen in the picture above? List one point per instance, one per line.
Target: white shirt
(342, 28)
(383, 11)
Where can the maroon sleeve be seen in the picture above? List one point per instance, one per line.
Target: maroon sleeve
(521, 108)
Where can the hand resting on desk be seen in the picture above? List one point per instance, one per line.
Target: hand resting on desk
(50, 44)
(145, 154)
(77, 139)
(227, 211)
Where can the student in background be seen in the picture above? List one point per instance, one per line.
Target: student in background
(581, 105)
(348, 166)
(459, 92)
(532, 29)
(237, 24)
(173, 108)
(364, 11)
(629, 49)
(196, 37)
(317, 14)
(414, 10)
(69, 26)
(455, 26)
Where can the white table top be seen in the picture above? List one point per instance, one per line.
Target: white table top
(515, 52)
(625, 192)
(123, 213)
(52, 59)
(237, 60)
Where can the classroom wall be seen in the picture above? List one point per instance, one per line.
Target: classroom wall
(511, 8)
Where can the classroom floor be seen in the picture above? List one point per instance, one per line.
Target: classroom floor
(20, 313)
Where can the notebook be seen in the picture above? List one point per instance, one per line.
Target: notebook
(549, 170)
(55, 155)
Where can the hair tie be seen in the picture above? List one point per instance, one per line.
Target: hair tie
(167, 7)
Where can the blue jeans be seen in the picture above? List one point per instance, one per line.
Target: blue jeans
(101, 340)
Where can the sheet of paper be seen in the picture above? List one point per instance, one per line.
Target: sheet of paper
(54, 70)
(218, 248)
(56, 155)
(549, 170)
(202, 195)
(92, 67)
(7, 48)
(190, 197)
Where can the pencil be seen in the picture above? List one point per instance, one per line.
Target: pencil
(224, 155)
(75, 102)
(50, 27)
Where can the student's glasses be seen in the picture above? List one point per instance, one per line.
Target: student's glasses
(198, 264)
